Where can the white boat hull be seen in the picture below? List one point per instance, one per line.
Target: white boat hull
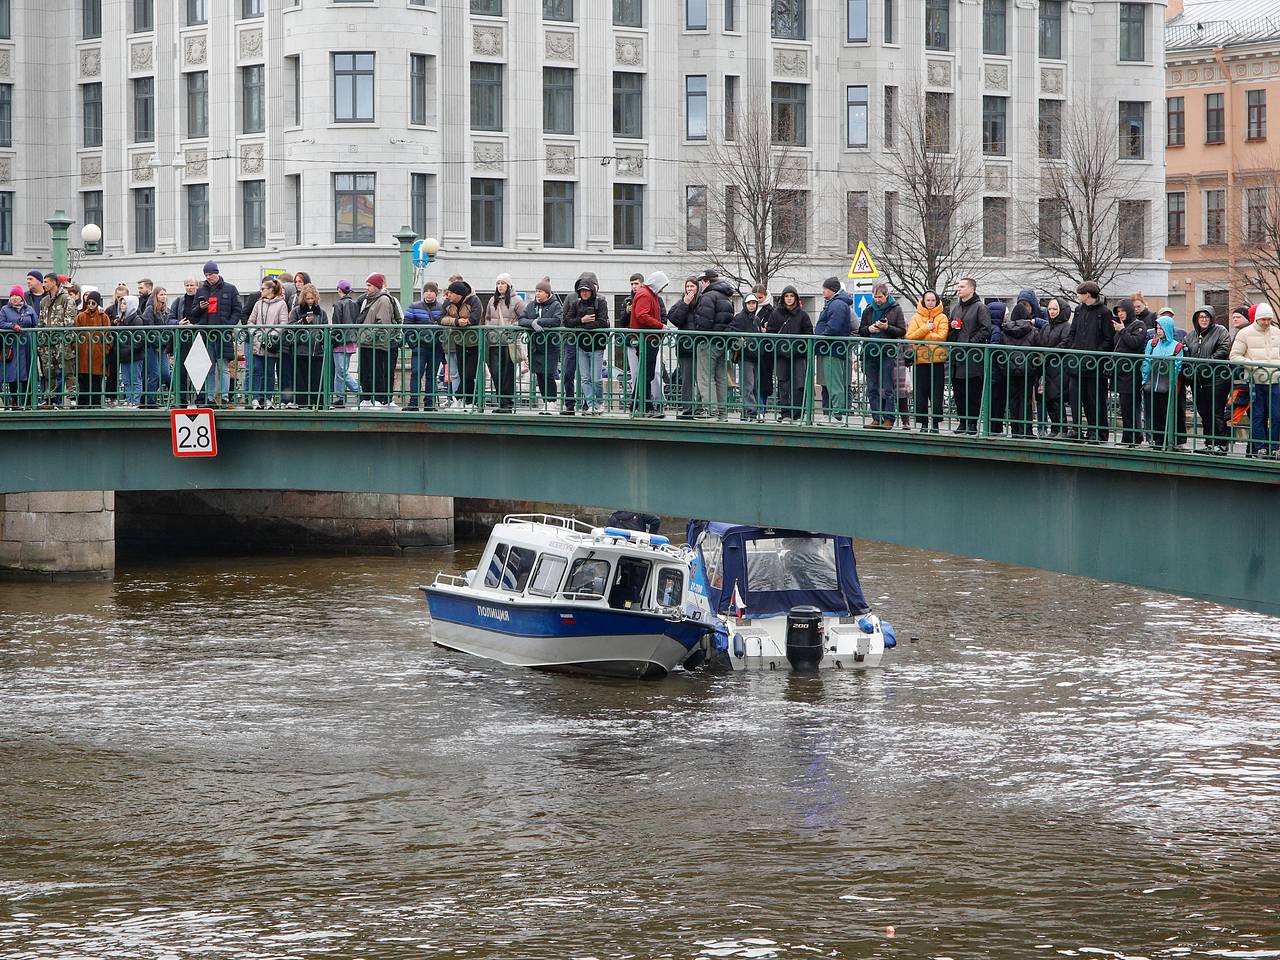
(761, 645)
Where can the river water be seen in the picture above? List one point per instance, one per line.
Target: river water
(266, 758)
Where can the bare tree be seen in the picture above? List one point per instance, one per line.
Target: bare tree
(756, 216)
(1257, 263)
(928, 223)
(1083, 226)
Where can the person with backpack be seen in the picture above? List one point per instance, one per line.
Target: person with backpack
(1160, 372)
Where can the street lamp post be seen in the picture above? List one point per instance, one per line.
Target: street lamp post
(59, 223)
(406, 238)
(90, 236)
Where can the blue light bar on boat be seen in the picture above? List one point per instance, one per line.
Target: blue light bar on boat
(653, 538)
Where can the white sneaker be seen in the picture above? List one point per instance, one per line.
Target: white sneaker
(364, 405)
(256, 405)
(377, 405)
(391, 406)
(291, 405)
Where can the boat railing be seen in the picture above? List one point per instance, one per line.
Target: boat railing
(575, 596)
(451, 580)
(549, 520)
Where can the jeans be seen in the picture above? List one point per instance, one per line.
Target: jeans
(155, 374)
(1264, 416)
(263, 374)
(344, 381)
(423, 363)
(131, 381)
(712, 379)
(882, 388)
(217, 384)
(590, 369)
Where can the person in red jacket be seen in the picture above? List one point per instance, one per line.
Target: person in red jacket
(646, 314)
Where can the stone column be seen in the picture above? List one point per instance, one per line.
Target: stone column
(58, 536)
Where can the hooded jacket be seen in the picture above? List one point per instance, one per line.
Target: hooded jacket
(130, 346)
(786, 322)
(997, 311)
(1133, 339)
(1253, 344)
(548, 316)
(714, 311)
(970, 322)
(836, 318)
(681, 317)
(1053, 335)
(1019, 330)
(1158, 372)
(646, 309)
(1213, 344)
(746, 321)
(593, 306)
(930, 325)
(15, 346)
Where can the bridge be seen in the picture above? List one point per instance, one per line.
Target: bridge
(1185, 521)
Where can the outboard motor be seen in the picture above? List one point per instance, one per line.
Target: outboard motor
(804, 639)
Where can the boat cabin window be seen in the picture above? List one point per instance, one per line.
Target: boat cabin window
(519, 565)
(791, 563)
(496, 563)
(588, 576)
(712, 547)
(670, 587)
(629, 583)
(547, 575)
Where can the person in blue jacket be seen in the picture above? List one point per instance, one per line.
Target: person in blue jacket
(836, 322)
(1160, 372)
(16, 319)
(218, 311)
(997, 311)
(883, 321)
(422, 336)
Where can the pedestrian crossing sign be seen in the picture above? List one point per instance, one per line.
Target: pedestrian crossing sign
(863, 267)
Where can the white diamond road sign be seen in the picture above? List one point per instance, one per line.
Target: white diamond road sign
(197, 363)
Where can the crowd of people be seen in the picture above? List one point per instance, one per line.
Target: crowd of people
(1063, 370)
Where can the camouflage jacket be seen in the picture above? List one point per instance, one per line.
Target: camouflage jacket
(58, 311)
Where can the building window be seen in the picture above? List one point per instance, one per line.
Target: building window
(937, 24)
(695, 14)
(293, 206)
(1133, 229)
(293, 88)
(253, 97)
(418, 92)
(198, 216)
(790, 114)
(486, 96)
(995, 23)
(1176, 208)
(1218, 300)
(627, 13)
(1133, 32)
(197, 104)
(695, 218)
(144, 220)
(142, 16)
(695, 108)
(144, 109)
(730, 108)
(6, 223)
(855, 101)
(1051, 129)
(6, 114)
(995, 125)
(486, 211)
(1049, 228)
(558, 10)
(6, 20)
(890, 21)
(352, 87)
(995, 227)
(253, 206)
(937, 134)
(91, 210)
(857, 218)
(1133, 130)
(1050, 29)
(487, 8)
(91, 112)
(558, 213)
(628, 216)
(789, 19)
(1255, 214)
(1256, 104)
(856, 14)
(1215, 118)
(422, 204)
(90, 19)
(791, 220)
(557, 100)
(1215, 217)
(628, 105)
(890, 238)
(730, 16)
(890, 117)
(1176, 121)
(197, 12)
(250, 9)
(353, 208)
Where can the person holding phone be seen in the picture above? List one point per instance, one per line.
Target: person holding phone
(586, 315)
(218, 311)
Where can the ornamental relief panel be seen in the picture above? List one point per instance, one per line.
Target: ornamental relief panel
(790, 63)
(141, 56)
(91, 62)
(630, 163)
(195, 51)
(560, 159)
(6, 62)
(90, 170)
(1052, 80)
(938, 73)
(629, 51)
(996, 177)
(996, 76)
(197, 164)
(252, 159)
(250, 44)
(487, 41)
(561, 46)
(6, 169)
(141, 169)
(488, 156)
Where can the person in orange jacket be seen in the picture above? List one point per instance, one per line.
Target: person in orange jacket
(929, 325)
(92, 349)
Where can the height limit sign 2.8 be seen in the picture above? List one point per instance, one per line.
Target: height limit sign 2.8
(194, 434)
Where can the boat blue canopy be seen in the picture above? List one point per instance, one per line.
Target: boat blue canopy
(775, 569)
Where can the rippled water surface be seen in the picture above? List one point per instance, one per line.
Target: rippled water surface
(268, 759)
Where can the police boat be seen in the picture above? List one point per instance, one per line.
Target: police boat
(786, 599)
(556, 594)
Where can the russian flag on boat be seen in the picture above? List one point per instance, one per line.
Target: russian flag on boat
(738, 604)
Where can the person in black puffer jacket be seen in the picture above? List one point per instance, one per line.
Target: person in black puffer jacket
(681, 316)
(746, 351)
(1052, 336)
(586, 316)
(1210, 382)
(1022, 372)
(713, 315)
(1092, 329)
(1130, 338)
(787, 321)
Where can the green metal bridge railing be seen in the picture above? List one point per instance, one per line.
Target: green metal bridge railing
(1200, 407)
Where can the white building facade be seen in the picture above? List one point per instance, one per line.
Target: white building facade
(530, 136)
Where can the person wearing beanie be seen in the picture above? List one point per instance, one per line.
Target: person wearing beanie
(378, 348)
(836, 323)
(217, 313)
(422, 334)
(345, 315)
(16, 318)
(35, 290)
(1258, 347)
(503, 351)
(91, 351)
(544, 313)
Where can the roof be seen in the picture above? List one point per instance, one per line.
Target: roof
(1222, 23)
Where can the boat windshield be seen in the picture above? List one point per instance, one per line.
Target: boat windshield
(589, 576)
(791, 563)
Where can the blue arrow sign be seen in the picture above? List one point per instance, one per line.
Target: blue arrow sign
(420, 257)
(860, 302)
